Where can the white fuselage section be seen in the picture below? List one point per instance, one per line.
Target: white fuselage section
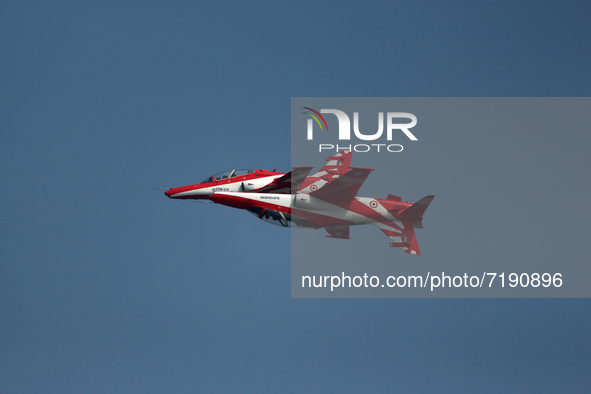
(234, 187)
(305, 202)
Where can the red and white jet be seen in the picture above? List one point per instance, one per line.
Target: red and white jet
(327, 199)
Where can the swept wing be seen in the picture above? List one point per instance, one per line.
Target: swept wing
(344, 187)
(288, 183)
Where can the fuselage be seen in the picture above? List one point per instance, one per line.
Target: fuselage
(227, 181)
(304, 210)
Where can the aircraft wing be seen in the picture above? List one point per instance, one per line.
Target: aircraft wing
(287, 183)
(344, 187)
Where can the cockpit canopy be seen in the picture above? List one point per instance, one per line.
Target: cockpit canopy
(227, 174)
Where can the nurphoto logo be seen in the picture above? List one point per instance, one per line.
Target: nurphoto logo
(344, 133)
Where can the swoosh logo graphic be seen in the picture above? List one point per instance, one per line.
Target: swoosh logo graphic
(316, 117)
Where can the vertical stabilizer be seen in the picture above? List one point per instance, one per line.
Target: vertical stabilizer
(335, 166)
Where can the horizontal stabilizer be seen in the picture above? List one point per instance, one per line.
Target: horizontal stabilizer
(406, 240)
(341, 232)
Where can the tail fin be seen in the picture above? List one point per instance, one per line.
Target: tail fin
(335, 166)
(416, 210)
(411, 218)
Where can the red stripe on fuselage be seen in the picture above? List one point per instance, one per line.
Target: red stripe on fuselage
(241, 178)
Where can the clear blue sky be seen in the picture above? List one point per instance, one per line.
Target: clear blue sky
(106, 286)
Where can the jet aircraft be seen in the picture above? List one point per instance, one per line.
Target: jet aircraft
(328, 199)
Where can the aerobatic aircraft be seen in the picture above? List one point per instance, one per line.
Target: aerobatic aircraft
(328, 199)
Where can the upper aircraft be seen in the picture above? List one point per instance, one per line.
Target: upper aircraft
(263, 181)
(328, 199)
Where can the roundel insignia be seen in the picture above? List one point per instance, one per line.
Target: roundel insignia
(373, 204)
(313, 188)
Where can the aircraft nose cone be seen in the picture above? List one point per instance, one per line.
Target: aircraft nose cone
(191, 192)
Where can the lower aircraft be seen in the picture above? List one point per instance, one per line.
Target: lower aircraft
(327, 199)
